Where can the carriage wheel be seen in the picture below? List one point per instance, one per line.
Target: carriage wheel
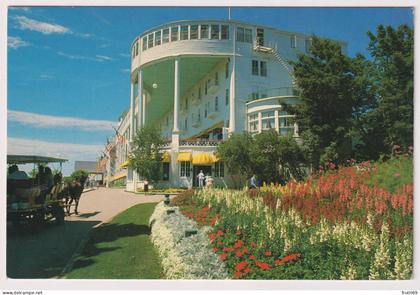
(58, 213)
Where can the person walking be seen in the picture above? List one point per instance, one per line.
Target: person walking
(253, 182)
(200, 177)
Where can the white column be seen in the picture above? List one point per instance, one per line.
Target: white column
(140, 94)
(176, 96)
(276, 120)
(232, 122)
(143, 116)
(259, 122)
(131, 111)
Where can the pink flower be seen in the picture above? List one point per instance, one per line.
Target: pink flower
(397, 174)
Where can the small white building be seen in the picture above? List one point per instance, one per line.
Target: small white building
(200, 81)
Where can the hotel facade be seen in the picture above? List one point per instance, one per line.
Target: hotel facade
(200, 81)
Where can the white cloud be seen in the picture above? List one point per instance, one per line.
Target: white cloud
(38, 26)
(46, 121)
(104, 57)
(125, 71)
(70, 151)
(72, 56)
(125, 55)
(19, 8)
(16, 42)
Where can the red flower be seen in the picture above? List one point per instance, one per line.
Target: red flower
(205, 209)
(219, 243)
(238, 253)
(241, 265)
(267, 253)
(278, 262)
(227, 249)
(223, 256)
(237, 275)
(219, 232)
(215, 249)
(247, 270)
(262, 265)
(253, 244)
(238, 243)
(397, 174)
(252, 257)
(245, 250)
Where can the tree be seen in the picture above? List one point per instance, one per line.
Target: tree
(80, 175)
(330, 93)
(268, 155)
(275, 158)
(146, 153)
(390, 121)
(235, 153)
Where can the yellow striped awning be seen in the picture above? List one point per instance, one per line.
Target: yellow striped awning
(166, 157)
(118, 176)
(184, 157)
(203, 159)
(125, 164)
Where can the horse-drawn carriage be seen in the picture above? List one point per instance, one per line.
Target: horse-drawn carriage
(33, 201)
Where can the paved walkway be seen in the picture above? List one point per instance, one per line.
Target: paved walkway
(45, 253)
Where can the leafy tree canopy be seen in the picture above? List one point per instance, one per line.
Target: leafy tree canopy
(146, 153)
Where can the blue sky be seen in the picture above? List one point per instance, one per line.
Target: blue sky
(68, 68)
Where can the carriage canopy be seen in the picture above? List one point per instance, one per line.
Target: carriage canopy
(26, 159)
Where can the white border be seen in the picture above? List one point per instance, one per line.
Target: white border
(110, 285)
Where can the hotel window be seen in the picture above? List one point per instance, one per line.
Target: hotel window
(186, 104)
(205, 86)
(214, 32)
(133, 52)
(184, 32)
(194, 32)
(150, 42)
(204, 31)
(144, 43)
(199, 116)
(219, 169)
(165, 36)
(227, 97)
(216, 78)
(260, 37)
(174, 34)
(158, 36)
(216, 104)
(199, 93)
(248, 36)
(165, 171)
(293, 41)
(186, 124)
(225, 32)
(263, 68)
(255, 67)
(137, 48)
(227, 70)
(240, 34)
(205, 110)
(267, 124)
(185, 169)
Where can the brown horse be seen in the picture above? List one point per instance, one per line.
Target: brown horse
(73, 191)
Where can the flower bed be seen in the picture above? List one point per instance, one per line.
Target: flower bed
(183, 257)
(338, 225)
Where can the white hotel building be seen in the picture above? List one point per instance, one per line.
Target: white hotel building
(200, 81)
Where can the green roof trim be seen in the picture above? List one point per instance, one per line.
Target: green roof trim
(25, 159)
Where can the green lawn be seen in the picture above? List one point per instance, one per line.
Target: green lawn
(120, 249)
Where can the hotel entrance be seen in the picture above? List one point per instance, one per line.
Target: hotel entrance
(196, 169)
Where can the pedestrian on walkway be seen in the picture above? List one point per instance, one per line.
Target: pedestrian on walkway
(253, 182)
(200, 177)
